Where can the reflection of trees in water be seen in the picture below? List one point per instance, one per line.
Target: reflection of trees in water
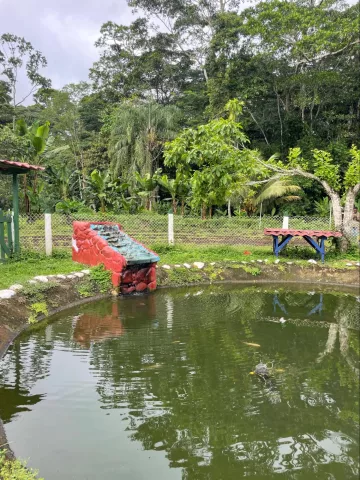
(184, 386)
(195, 400)
(26, 362)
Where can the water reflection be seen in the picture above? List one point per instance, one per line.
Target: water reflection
(16, 400)
(172, 371)
(97, 326)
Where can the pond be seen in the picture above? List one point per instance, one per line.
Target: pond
(159, 387)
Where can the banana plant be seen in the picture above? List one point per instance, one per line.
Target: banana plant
(99, 181)
(145, 187)
(37, 134)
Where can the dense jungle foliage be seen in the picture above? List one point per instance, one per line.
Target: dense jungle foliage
(186, 105)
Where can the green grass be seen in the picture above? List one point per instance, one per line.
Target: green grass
(29, 265)
(179, 254)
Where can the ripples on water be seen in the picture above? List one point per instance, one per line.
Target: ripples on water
(159, 386)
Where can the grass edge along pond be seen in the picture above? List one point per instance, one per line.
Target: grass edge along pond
(30, 264)
(15, 469)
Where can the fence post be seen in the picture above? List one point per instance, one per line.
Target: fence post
(285, 221)
(171, 228)
(48, 234)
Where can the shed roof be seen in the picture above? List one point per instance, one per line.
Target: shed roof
(8, 167)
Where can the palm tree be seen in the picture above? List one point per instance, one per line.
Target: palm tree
(276, 191)
(138, 132)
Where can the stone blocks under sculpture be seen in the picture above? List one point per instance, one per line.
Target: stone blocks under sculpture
(133, 266)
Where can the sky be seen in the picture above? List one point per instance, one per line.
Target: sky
(63, 30)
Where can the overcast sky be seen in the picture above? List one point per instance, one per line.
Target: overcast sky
(63, 30)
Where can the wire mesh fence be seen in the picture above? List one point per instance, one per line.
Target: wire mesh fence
(152, 229)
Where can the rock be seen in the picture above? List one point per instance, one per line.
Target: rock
(86, 271)
(16, 287)
(244, 263)
(152, 286)
(212, 263)
(186, 265)
(6, 293)
(252, 261)
(199, 265)
(178, 266)
(289, 263)
(166, 267)
(259, 261)
(266, 260)
(70, 277)
(140, 287)
(312, 261)
(41, 278)
(79, 274)
(357, 264)
(282, 320)
(277, 261)
(62, 277)
(349, 264)
(32, 282)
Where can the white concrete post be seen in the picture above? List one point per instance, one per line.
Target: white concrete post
(285, 222)
(171, 228)
(48, 234)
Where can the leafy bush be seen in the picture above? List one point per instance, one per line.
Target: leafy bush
(36, 309)
(102, 278)
(15, 469)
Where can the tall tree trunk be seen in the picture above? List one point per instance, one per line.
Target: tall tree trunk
(229, 208)
(182, 207)
(349, 212)
(203, 211)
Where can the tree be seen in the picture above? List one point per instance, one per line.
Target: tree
(5, 105)
(137, 63)
(322, 169)
(190, 22)
(210, 156)
(15, 53)
(277, 191)
(66, 124)
(137, 133)
(289, 61)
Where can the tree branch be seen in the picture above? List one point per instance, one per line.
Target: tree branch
(329, 54)
(356, 189)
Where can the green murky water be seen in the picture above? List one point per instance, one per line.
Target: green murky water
(159, 387)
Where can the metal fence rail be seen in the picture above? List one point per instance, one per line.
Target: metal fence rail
(152, 229)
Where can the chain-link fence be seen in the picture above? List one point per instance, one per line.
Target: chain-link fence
(152, 229)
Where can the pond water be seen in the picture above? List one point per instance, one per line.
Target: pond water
(159, 387)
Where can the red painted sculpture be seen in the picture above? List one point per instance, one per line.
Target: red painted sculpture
(133, 266)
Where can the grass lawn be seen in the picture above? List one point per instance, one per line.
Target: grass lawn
(31, 264)
(188, 254)
(18, 271)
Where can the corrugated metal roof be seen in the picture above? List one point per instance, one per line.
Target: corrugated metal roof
(301, 233)
(7, 164)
